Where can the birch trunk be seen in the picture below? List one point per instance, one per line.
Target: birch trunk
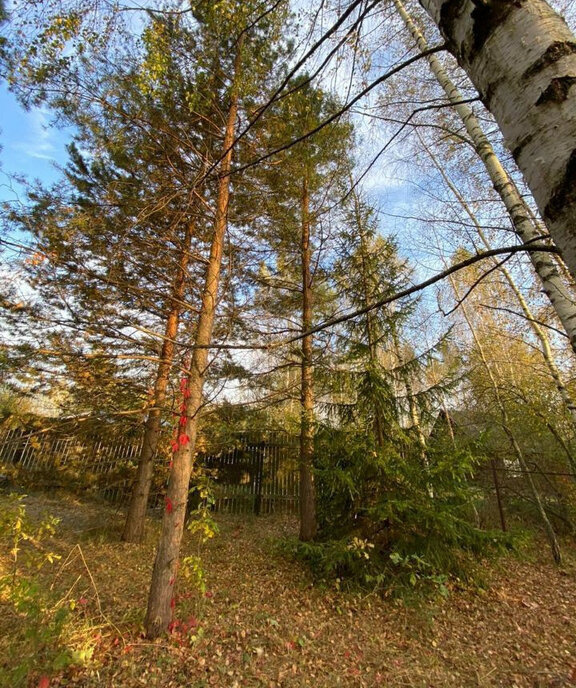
(521, 57)
(417, 425)
(136, 517)
(544, 264)
(162, 590)
(308, 525)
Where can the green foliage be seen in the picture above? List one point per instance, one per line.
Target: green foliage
(387, 520)
(38, 642)
(200, 520)
(16, 529)
(14, 409)
(202, 525)
(226, 420)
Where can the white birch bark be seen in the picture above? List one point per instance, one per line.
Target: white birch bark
(521, 56)
(552, 282)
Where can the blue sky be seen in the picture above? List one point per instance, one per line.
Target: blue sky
(30, 145)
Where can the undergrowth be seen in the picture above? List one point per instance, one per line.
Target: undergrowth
(353, 564)
(392, 522)
(48, 631)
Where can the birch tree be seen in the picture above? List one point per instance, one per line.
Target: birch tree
(520, 215)
(521, 57)
(497, 385)
(537, 329)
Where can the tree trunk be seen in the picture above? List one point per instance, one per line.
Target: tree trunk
(521, 57)
(162, 590)
(544, 264)
(136, 517)
(498, 495)
(308, 526)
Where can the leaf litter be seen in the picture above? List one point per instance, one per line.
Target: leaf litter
(261, 621)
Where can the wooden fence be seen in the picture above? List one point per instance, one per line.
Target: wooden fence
(104, 466)
(255, 473)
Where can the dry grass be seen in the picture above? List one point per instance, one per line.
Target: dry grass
(263, 623)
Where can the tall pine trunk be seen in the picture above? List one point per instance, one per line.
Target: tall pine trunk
(308, 526)
(162, 589)
(136, 517)
(544, 264)
(521, 56)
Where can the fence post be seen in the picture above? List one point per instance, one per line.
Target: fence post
(498, 495)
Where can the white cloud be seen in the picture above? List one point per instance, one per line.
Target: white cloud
(40, 138)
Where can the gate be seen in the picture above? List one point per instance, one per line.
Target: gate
(258, 474)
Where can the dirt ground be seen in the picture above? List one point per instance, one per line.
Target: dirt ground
(261, 622)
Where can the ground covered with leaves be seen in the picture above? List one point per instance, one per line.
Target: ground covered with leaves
(257, 619)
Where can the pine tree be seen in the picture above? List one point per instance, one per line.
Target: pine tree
(302, 181)
(237, 32)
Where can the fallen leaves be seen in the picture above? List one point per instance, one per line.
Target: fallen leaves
(261, 624)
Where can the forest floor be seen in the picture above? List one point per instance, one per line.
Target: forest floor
(262, 623)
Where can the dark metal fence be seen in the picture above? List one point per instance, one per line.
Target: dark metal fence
(258, 474)
(252, 473)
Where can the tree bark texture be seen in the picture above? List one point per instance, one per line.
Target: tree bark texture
(544, 264)
(308, 526)
(521, 56)
(136, 517)
(162, 590)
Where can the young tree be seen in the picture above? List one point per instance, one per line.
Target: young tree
(369, 269)
(302, 183)
(493, 369)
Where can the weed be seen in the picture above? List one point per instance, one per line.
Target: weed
(46, 635)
